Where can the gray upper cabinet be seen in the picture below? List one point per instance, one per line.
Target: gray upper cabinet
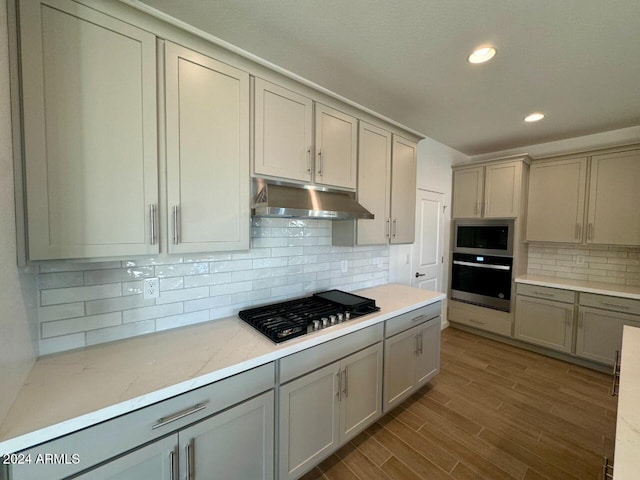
(336, 148)
(207, 122)
(555, 209)
(403, 190)
(493, 190)
(90, 132)
(614, 199)
(283, 122)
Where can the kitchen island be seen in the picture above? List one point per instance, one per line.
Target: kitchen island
(74, 390)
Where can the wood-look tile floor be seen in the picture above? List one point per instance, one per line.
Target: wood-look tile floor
(494, 412)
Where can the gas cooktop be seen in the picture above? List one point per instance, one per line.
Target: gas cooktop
(286, 320)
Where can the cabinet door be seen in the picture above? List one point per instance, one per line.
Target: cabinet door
(399, 353)
(90, 132)
(374, 184)
(207, 104)
(157, 461)
(600, 333)
(614, 196)
(468, 187)
(361, 391)
(502, 188)
(555, 210)
(403, 190)
(309, 419)
(336, 147)
(544, 322)
(237, 443)
(427, 362)
(283, 132)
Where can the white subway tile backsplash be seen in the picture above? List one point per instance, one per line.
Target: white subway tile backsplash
(74, 294)
(121, 331)
(94, 302)
(606, 264)
(73, 325)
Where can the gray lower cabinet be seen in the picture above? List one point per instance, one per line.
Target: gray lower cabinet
(547, 323)
(323, 409)
(411, 359)
(154, 462)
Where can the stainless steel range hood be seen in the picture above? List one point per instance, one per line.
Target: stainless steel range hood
(305, 201)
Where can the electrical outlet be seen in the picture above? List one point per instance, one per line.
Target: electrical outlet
(344, 266)
(379, 262)
(580, 259)
(151, 288)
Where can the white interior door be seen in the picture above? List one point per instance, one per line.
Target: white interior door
(428, 253)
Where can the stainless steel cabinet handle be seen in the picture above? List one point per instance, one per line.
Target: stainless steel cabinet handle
(309, 159)
(544, 294)
(473, 320)
(320, 162)
(482, 265)
(152, 217)
(387, 231)
(187, 452)
(420, 274)
(395, 227)
(607, 469)
(346, 382)
(176, 238)
(339, 392)
(177, 416)
(172, 464)
(590, 231)
(415, 345)
(616, 375)
(420, 343)
(418, 318)
(624, 307)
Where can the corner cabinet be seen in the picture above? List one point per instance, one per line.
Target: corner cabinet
(207, 125)
(283, 123)
(493, 190)
(336, 148)
(88, 195)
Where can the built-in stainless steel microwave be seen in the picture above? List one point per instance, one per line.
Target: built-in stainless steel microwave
(484, 237)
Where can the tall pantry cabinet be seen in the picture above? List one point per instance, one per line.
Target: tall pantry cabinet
(90, 141)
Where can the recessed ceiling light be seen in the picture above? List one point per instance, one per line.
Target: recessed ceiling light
(534, 117)
(482, 55)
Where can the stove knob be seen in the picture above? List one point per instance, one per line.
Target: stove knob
(340, 318)
(316, 324)
(347, 316)
(333, 319)
(325, 322)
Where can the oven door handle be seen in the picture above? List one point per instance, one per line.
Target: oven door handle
(482, 265)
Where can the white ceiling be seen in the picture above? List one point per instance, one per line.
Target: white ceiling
(577, 61)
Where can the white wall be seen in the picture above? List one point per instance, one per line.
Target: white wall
(17, 286)
(434, 174)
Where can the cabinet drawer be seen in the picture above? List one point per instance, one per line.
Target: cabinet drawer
(493, 322)
(307, 360)
(559, 295)
(617, 304)
(411, 319)
(113, 437)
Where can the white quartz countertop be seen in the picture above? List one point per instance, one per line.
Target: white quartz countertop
(627, 449)
(69, 391)
(623, 291)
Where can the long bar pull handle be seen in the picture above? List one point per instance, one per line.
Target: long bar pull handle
(172, 464)
(188, 453)
(387, 231)
(616, 374)
(616, 305)
(177, 416)
(339, 392)
(309, 159)
(415, 346)
(590, 231)
(176, 238)
(320, 162)
(346, 382)
(395, 227)
(152, 218)
(420, 343)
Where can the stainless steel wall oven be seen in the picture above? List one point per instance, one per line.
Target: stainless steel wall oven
(482, 267)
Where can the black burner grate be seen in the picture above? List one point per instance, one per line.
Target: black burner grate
(286, 320)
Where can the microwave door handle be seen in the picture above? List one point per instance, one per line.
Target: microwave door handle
(482, 265)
